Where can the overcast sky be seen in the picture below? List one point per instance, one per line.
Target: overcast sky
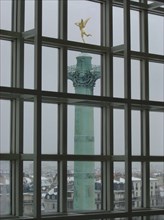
(76, 11)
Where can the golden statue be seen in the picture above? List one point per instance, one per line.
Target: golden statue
(81, 26)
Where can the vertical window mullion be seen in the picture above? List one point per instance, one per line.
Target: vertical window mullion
(145, 113)
(17, 109)
(62, 123)
(37, 108)
(107, 114)
(127, 72)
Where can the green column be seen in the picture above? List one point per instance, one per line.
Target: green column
(84, 79)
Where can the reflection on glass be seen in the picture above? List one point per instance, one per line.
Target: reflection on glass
(135, 79)
(49, 128)
(49, 187)
(157, 184)
(5, 14)
(29, 66)
(29, 14)
(156, 26)
(82, 9)
(49, 69)
(118, 77)
(5, 63)
(118, 26)
(136, 185)
(119, 132)
(50, 18)
(28, 130)
(84, 134)
(5, 185)
(156, 133)
(28, 188)
(84, 72)
(84, 186)
(119, 185)
(156, 81)
(135, 30)
(136, 133)
(5, 119)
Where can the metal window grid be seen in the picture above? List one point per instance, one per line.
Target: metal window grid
(17, 94)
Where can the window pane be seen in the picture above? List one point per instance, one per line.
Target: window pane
(29, 66)
(156, 26)
(136, 133)
(119, 132)
(156, 133)
(135, 30)
(49, 128)
(5, 63)
(28, 130)
(135, 79)
(157, 184)
(5, 119)
(49, 186)
(118, 77)
(84, 192)
(28, 188)
(29, 14)
(84, 72)
(84, 130)
(136, 185)
(82, 9)
(50, 18)
(5, 14)
(49, 69)
(118, 26)
(119, 185)
(5, 185)
(156, 81)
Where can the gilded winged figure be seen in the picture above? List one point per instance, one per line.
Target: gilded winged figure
(81, 26)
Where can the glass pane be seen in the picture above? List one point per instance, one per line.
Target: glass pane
(49, 69)
(78, 14)
(136, 185)
(118, 77)
(156, 133)
(157, 184)
(50, 18)
(84, 130)
(84, 72)
(84, 187)
(28, 130)
(29, 66)
(136, 133)
(49, 187)
(28, 188)
(119, 132)
(5, 63)
(119, 185)
(5, 185)
(135, 30)
(49, 128)
(29, 14)
(5, 119)
(156, 81)
(5, 14)
(135, 79)
(156, 26)
(118, 26)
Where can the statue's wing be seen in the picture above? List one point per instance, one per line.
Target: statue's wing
(85, 22)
